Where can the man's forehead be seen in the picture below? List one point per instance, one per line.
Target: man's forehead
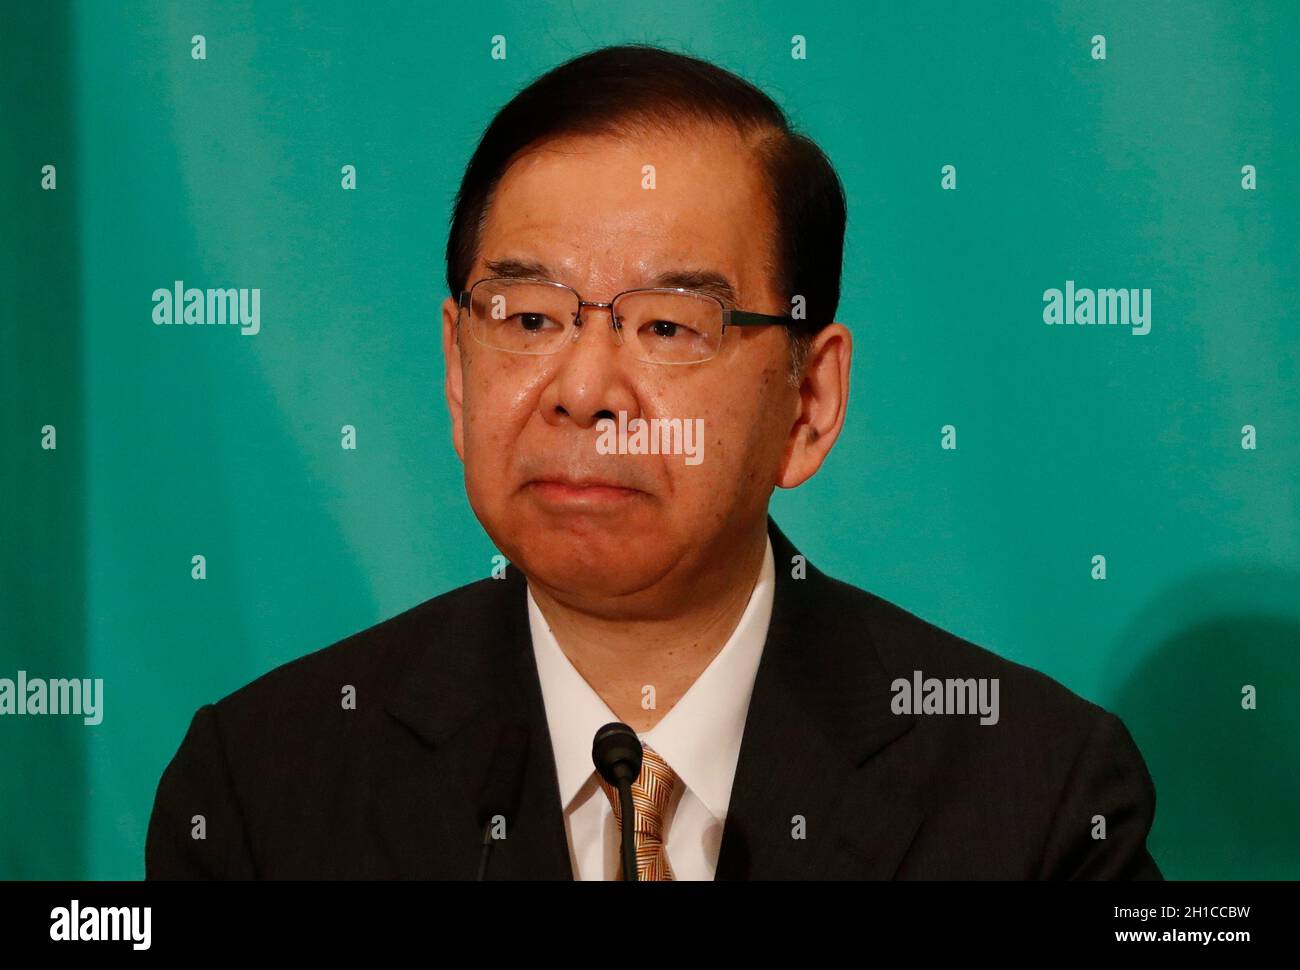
(686, 211)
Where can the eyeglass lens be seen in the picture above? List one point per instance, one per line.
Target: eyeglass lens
(523, 317)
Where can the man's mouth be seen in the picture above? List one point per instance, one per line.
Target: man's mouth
(582, 492)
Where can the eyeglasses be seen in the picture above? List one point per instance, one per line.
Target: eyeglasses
(661, 325)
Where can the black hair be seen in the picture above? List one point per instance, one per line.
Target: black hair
(635, 86)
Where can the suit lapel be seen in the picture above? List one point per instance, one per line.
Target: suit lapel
(459, 689)
(820, 744)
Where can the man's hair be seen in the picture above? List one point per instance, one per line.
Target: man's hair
(637, 87)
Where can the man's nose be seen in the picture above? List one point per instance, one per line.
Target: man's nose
(590, 380)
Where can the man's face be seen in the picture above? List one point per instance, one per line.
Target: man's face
(641, 527)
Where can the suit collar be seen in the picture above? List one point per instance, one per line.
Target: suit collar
(819, 742)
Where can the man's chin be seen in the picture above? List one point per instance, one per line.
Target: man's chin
(611, 583)
(589, 560)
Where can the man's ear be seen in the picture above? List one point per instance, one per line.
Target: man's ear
(823, 403)
(452, 382)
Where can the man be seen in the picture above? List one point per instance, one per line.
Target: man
(640, 242)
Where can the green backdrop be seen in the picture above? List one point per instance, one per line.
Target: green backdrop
(1071, 441)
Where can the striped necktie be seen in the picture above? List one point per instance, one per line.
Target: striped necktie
(651, 794)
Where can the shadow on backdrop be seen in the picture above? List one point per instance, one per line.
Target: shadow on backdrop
(1227, 779)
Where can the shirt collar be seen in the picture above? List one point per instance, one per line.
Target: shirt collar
(699, 738)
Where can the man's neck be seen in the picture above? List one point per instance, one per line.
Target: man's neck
(623, 660)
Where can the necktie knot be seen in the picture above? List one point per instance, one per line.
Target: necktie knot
(652, 793)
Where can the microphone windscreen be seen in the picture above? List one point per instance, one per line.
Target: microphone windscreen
(616, 751)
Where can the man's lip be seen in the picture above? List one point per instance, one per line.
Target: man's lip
(583, 483)
(586, 494)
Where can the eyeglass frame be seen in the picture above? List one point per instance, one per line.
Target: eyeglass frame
(730, 317)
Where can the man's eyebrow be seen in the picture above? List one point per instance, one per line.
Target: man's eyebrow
(519, 267)
(703, 280)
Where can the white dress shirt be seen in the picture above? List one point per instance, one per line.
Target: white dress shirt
(699, 738)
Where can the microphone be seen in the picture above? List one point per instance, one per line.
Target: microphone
(616, 752)
(503, 787)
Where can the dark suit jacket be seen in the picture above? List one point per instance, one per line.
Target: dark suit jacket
(292, 785)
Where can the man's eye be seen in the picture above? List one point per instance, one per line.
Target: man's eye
(532, 322)
(667, 329)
